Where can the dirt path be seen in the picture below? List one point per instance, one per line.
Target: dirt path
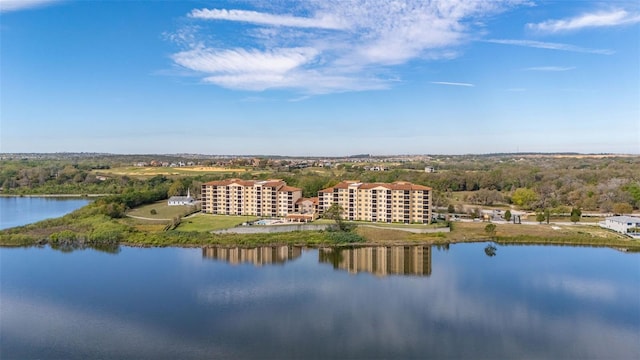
(146, 218)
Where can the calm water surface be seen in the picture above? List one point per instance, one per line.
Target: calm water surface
(287, 302)
(17, 211)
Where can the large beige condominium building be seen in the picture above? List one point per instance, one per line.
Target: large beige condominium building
(379, 202)
(268, 198)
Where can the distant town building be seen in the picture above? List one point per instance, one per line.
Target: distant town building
(182, 200)
(377, 168)
(429, 169)
(267, 198)
(379, 202)
(628, 225)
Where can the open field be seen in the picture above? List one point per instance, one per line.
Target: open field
(505, 233)
(398, 225)
(583, 219)
(163, 211)
(206, 222)
(153, 171)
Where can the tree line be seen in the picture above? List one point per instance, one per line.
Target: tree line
(609, 184)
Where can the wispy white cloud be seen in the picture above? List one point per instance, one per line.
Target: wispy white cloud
(320, 46)
(326, 21)
(276, 61)
(550, 46)
(15, 5)
(550, 68)
(452, 83)
(592, 20)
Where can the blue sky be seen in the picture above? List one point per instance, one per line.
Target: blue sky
(320, 77)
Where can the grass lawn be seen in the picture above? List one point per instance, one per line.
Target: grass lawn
(584, 219)
(533, 234)
(383, 224)
(207, 222)
(402, 225)
(163, 211)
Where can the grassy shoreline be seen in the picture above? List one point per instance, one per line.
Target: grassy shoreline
(62, 235)
(92, 225)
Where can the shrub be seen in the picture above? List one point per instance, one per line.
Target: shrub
(490, 229)
(344, 237)
(62, 236)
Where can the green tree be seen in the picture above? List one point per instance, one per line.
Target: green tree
(622, 208)
(334, 212)
(507, 215)
(490, 229)
(634, 190)
(176, 189)
(540, 217)
(547, 215)
(576, 213)
(524, 197)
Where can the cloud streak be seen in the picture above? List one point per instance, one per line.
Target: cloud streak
(320, 47)
(452, 83)
(550, 46)
(593, 20)
(550, 68)
(16, 5)
(324, 22)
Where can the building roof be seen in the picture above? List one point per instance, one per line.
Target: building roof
(289, 188)
(624, 219)
(265, 183)
(313, 200)
(181, 198)
(398, 185)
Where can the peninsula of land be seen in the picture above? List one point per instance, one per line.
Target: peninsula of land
(155, 200)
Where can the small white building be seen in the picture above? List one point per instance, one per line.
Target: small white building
(182, 200)
(627, 225)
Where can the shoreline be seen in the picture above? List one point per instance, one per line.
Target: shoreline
(53, 195)
(67, 231)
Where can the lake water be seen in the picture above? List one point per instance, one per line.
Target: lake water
(289, 302)
(17, 211)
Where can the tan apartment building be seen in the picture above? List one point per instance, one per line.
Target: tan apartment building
(379, 202)
(267, 198)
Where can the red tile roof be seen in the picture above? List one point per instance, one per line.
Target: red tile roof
(314, 200)
(398, 185)
(265, 183)
(289, 188)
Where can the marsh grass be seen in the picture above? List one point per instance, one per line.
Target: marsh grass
(207, 222)
(162, 211)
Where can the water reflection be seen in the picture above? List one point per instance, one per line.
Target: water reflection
(259, 256)
(68, 247)
(529, 302)
(380, 260)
